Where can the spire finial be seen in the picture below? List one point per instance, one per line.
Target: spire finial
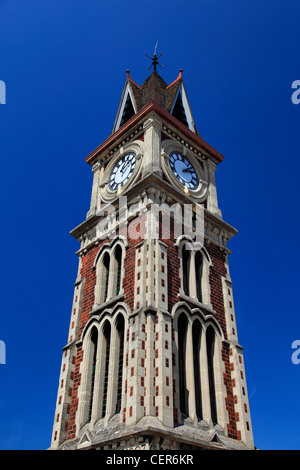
(154, 59)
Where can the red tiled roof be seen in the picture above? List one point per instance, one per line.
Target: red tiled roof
(154, 89)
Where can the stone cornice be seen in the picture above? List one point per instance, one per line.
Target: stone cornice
(153, 189)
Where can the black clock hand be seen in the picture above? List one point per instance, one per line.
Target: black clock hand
(189, 170)
(123, 169)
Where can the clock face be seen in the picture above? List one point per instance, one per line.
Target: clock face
(122, 171)
(184, 171)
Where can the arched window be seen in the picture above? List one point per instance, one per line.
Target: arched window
(183, 392)
(198, 274)
(195, 263)
(118, 259)
(93, 357)
(199, 392)
(106, 339)
(109, 272)
(210, 345)
(120, 355)
(196, 331)
(186, 260)
(106, 263)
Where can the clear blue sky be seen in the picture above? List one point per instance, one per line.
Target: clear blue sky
(64, 64)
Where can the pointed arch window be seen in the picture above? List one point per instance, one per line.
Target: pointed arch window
(118, 258)
(199, 274)
(210, 346)
(106, 338)
(195, 265)
(109, 273)
(93, 356)
(199, 392)
(186, 260)
(101, 387)
(196, 331)
(106, 264)
(182, 337)
(120, 355)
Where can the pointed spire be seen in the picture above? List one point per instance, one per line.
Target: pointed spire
(154, 89)
(171, 97)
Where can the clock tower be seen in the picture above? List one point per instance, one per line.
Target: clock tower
(152, 359)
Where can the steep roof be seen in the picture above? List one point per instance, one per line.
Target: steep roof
(168, 101)
(171, 97)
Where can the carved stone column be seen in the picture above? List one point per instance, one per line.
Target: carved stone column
(152, 148)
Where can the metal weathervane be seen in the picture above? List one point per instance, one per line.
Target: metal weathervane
(154, 59)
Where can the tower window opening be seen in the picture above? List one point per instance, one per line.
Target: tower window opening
(106, 334)
(183, 392)
(120, 331)
(186, 259)
(94, 343)
(118, 256)
(106, 263)
(179, 112)
(199, 271)
(196, 360)
(210, 341)
(128, 111)
(195, 272)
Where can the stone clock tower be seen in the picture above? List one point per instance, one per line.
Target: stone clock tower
(152, 359)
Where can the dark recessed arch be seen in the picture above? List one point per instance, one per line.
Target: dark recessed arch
(197, 336)
(120, 330)
(93, 359)
(210, 346)
(106, 338)
(182, 337)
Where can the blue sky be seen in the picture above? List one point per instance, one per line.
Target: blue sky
(64, 65)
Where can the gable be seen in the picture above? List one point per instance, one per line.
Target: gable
(181, 109)
(85, 441)
(127, 108)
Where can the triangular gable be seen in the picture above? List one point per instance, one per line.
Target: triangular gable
(85, 441)
(181, 108)
(127, 107)
(215, 439)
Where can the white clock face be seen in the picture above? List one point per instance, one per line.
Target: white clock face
(184, 171)
(122, 171)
